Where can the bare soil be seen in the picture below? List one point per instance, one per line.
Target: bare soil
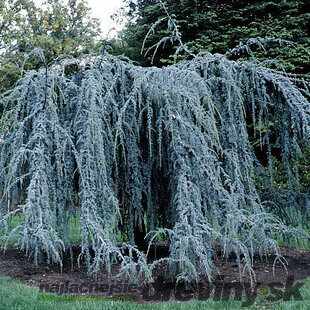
(75, 280)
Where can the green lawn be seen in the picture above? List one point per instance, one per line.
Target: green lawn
(15, 295)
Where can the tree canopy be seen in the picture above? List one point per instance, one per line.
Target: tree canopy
(161, 150)
(217, 26)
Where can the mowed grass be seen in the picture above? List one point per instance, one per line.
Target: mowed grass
(17, 296)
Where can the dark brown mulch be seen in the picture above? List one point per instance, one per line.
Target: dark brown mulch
(74, 280)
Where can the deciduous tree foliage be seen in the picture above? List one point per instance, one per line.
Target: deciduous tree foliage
(58, 27)
(165, 150)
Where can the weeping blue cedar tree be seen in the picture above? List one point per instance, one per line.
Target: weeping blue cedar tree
(161, 149)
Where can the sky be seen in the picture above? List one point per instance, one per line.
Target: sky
(102, 9)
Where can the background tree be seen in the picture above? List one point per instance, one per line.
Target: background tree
(217, 26)
(56, 27)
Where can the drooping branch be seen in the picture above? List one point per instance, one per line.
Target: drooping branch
(153, 150)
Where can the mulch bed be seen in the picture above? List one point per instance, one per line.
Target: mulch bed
(74, 280)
